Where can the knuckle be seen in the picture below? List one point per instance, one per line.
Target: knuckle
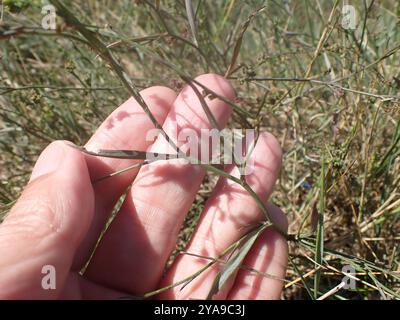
(32, 217)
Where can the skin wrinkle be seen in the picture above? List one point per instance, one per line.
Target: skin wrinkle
(152, 99)
(244, 219)
(246, 214)
(166, 171)
(115, 138)
(216, 219)
(153, 213)
(32, 212)
(106, 139)
(19, 275)
(263, 264)
(214, 248)
(30, 224)
(205, 242)
(38, 251)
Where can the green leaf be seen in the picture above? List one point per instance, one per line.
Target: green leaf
(234, 262)
(191, 19)
(319, 247)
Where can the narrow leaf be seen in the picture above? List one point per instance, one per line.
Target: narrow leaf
(191, 19)
(124, 154)
(239, 40)
(319, 247)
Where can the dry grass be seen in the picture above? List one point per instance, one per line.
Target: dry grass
(328, 94)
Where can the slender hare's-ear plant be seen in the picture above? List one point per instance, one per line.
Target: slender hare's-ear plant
(239, 248)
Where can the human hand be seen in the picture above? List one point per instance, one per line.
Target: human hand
(61, 213)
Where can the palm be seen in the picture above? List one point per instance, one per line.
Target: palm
(131, 256)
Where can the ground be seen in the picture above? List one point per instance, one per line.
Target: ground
(325, 86)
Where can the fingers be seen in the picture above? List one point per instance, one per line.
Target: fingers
(125, 128)
(269, 257)
(133, 252)
(228, 215)
(46, 225)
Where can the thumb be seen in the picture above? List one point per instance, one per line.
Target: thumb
(39, 237)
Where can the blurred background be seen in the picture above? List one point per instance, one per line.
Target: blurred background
(322, 76)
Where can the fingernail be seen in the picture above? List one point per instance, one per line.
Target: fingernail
(49, 160)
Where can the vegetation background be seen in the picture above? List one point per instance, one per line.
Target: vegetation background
(328, 92)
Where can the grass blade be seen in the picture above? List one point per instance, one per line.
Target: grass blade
(319, 247)
(311, 295)
(234, 263)
(239, 40)
(192, 20)
(124, 154)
